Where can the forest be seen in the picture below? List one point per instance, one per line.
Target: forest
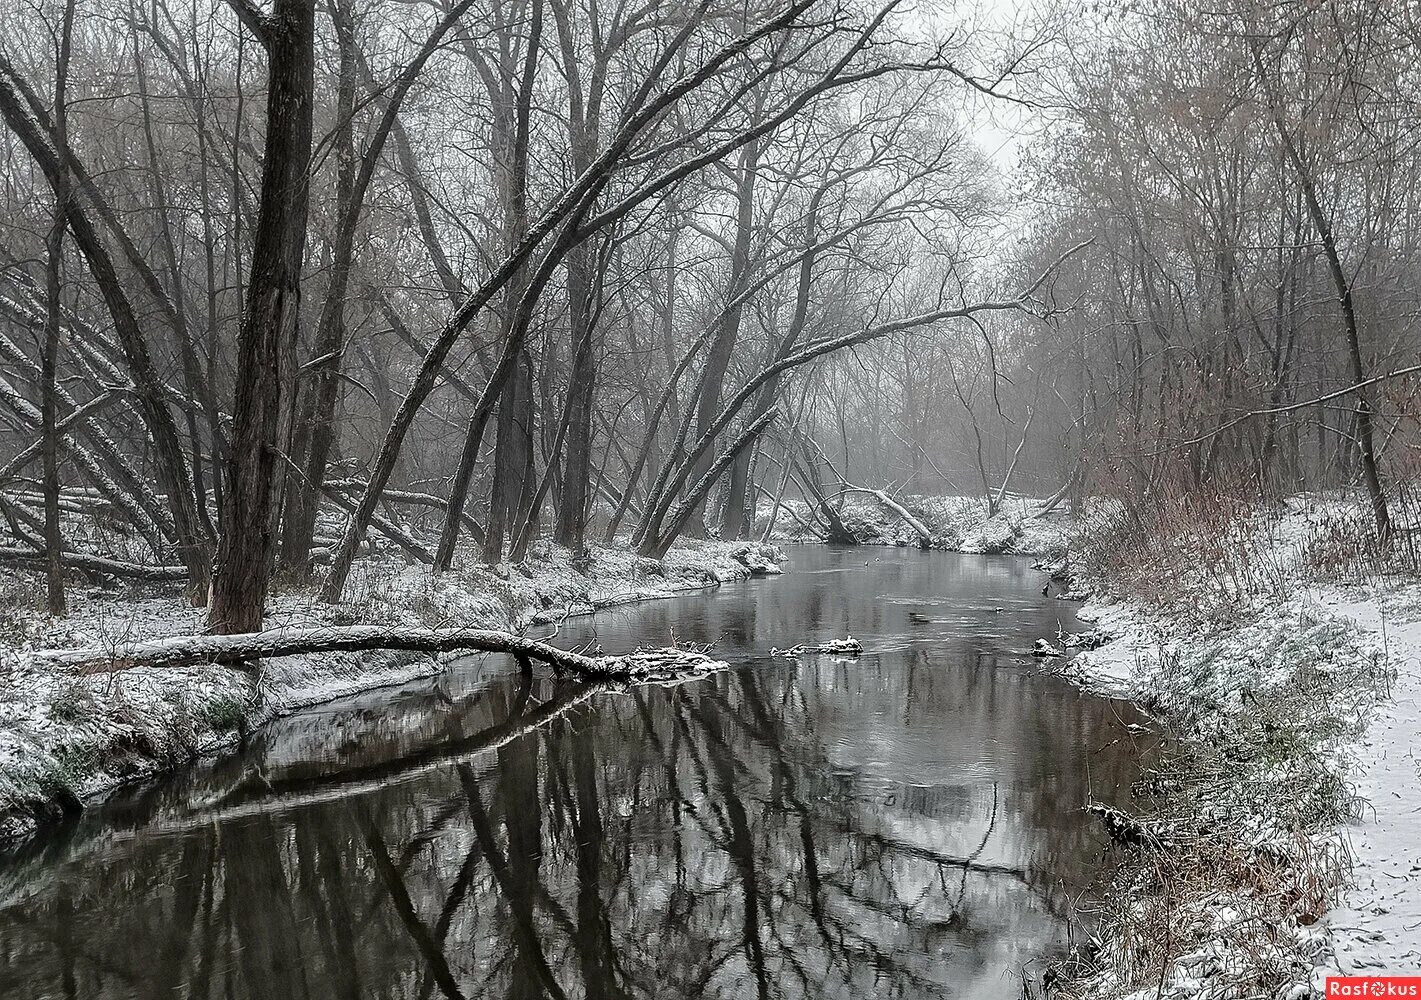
(279, 281)
(342, 339)
(266, 251)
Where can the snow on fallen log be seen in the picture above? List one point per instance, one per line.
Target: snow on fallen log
(924, 533)
(95, 564)
(244, 648)
(834, 647)
(1044, 649)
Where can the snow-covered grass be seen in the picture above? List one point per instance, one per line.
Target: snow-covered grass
(1286, 786)
(957, 524)
(65, 737)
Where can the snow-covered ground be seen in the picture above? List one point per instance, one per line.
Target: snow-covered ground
(1288, 791)
(957, 523)
(66, 737)
(1377, 929)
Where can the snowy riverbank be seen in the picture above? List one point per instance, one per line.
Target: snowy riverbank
(956, 524)
(1279, 836)
(65, 738)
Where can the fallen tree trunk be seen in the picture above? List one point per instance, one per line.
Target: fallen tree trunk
(1051, 502)
(240, 649)
(412, 499)
(925, 536)
(95, 564)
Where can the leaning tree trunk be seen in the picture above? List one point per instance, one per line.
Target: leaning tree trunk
(315, 436)
(739, 517)
(149, 388)
(571, 529)
(672, 524)
(266, 343)
(49, 382)
(473, 440)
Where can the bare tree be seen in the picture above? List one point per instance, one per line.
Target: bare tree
(266, 344)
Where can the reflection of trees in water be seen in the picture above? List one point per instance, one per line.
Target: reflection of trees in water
(686, 841)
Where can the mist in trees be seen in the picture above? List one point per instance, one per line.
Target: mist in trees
(274, 276)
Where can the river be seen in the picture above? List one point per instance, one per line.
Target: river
(907, 824)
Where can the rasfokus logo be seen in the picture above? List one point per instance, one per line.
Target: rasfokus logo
(1374, 986)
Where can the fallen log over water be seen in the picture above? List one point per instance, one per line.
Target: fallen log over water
(244, 648)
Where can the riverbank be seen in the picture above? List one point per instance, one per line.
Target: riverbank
(1275, 842)
(1021, 526)
(65, 739)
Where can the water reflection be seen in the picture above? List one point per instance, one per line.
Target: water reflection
(905, 825)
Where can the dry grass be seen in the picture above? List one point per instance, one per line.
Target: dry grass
(1260, 695)
(1167, 918)
(1186, 550)
(1345, 546)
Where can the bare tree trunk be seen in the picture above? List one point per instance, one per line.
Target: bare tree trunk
(314, 433)
(509, 87)
(266, 344)
(513, 470)
(736, 523)
(583, 288)
(53, 272)
(571, 526)
(195, 385)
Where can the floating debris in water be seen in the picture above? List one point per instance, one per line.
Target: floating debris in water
(848, 646)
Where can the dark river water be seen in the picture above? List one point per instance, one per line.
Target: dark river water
(905, 825)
